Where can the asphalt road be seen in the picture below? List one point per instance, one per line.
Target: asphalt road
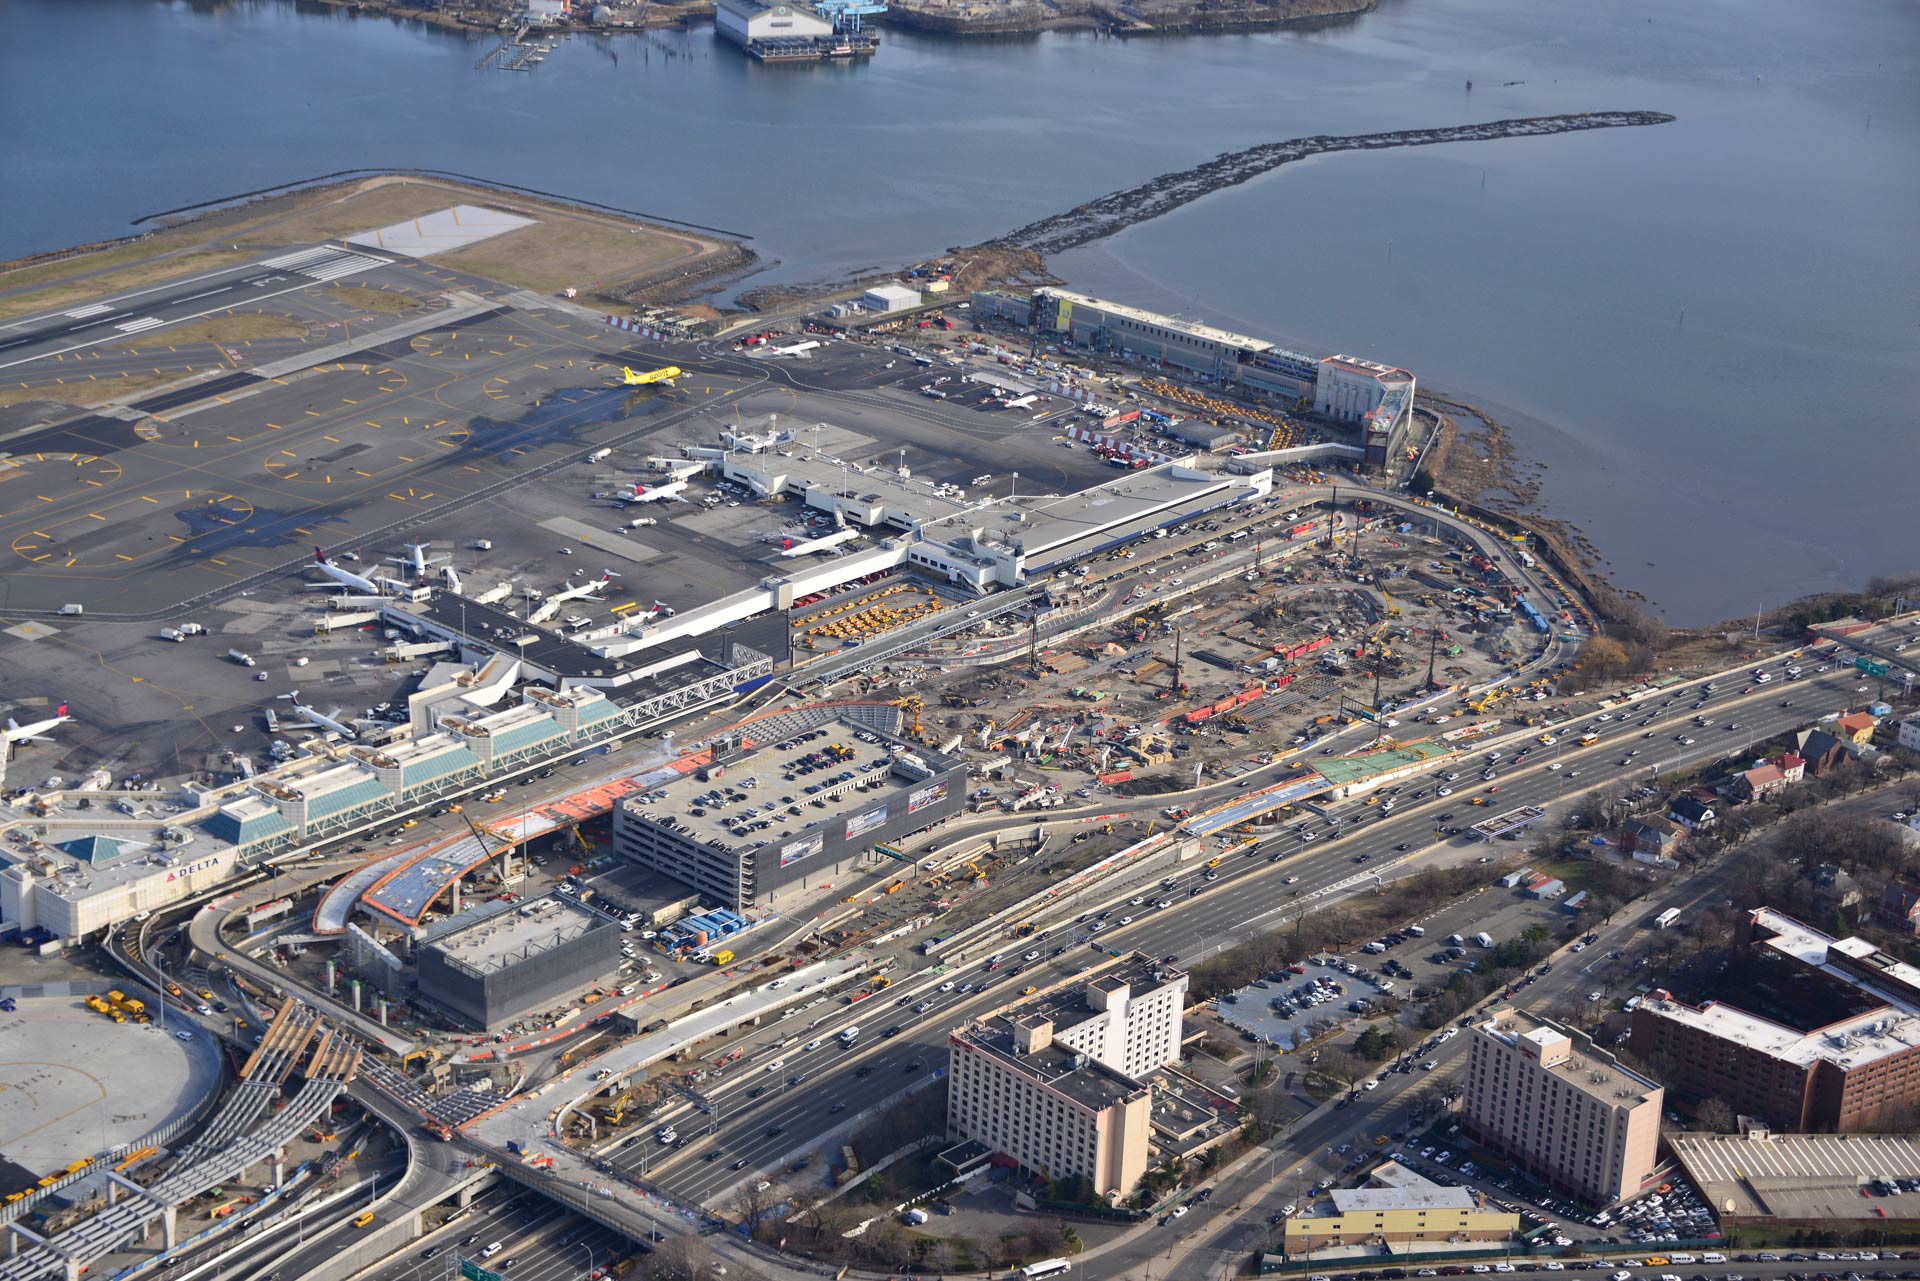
(539, 1241)
(1247, 898)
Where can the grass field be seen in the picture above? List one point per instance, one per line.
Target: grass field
(232, 326)
(107, 282)
(342, 215)
(368, 300)
(566, 252)
(84, 392)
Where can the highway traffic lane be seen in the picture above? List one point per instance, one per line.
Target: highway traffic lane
(1324, 868)
(525, 1225)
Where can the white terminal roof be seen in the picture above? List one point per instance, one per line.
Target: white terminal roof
(1194, 329)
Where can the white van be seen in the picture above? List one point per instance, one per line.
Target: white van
(490, 1251)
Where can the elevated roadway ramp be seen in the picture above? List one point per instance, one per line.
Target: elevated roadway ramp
(204, 930)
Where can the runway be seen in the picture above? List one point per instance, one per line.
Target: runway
(141, 311)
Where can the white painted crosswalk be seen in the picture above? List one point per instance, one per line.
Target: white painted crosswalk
(83, 312)
(325, 262)
(135, 326)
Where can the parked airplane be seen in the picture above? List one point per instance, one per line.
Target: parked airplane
(658, 494)
(801, 349)
(830, 543)
(417, 559)
(34, 733)
(666, 375)
(585, 591)
(314, 720)
(342, 578)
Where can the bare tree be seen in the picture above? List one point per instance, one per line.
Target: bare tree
(751, 1203)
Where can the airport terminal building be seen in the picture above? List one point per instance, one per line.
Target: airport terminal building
(758, 819)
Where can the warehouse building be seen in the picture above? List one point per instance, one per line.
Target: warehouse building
(757, 820)
(492, 965)
(745, 21)
(890, 298)
(1852, 1063)
(1546, 1098)
(1409, 1209)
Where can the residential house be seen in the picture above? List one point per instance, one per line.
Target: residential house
(1691, 813)
(1910, 733)
(1821, 751)
(1791, 765)
(1900, 906)
(1831, 886)
(1653, 836)
(1857, 728)
(1759, 783)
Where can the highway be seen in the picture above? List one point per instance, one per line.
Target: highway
(765, 1119)
(539, 1241)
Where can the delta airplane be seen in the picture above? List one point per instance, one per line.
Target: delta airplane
(34, 733)
(658, 494)
(830, 543)
(314, 720)
(800, 349)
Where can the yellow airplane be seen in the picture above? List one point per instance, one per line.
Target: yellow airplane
(630, 379)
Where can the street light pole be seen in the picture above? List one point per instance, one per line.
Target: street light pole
(589, 1250)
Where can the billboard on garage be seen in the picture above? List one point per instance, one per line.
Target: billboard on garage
(860, 824)
(805, 847)
(931, 794)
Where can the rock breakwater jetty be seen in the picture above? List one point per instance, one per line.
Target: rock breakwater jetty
(1119, 210)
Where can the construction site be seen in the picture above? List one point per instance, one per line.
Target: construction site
(1160, 695)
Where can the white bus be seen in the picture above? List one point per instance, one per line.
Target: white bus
(1666, 918)
(1045, 1268)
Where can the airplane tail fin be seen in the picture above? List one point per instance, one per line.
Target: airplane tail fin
(62, 711)
(319, 557)
(12, 724)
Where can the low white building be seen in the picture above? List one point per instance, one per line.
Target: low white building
(744, 21)
(890, 298)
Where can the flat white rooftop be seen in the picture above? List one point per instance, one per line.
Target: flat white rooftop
(441, 231)
(1848, 1044)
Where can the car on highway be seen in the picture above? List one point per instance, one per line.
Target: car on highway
(1032, 956)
